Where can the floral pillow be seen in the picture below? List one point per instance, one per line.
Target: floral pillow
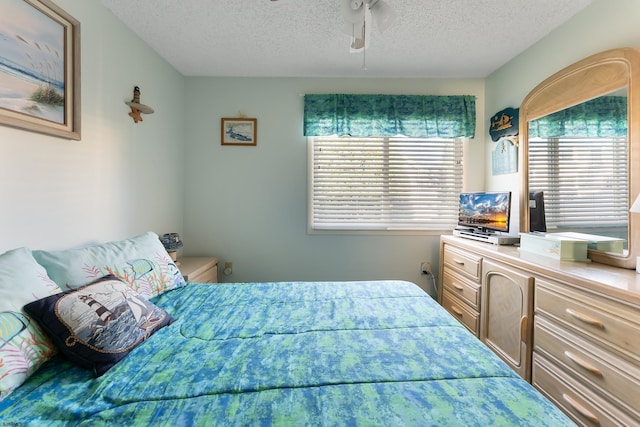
(98, 324)
(142, 262)
(24, 346)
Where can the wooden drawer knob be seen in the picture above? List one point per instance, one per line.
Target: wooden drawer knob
(583, 363)
(456, 310)
(585, 318)
(581, 409)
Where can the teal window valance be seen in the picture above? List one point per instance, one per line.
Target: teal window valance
(417, 116)
(603, 117)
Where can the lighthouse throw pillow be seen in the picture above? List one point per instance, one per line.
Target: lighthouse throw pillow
(98, 324)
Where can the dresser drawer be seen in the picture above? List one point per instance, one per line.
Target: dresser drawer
(602, 321)
(580, 403)
(462, 312)
(611, 375)
(462, 288)
(463, 262)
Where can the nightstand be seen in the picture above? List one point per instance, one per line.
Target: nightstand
(199, 269)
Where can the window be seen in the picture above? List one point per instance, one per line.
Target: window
(591, 172)
(384, 183)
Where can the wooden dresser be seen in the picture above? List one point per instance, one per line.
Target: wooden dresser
(572, 329)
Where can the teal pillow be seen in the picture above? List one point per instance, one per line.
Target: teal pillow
(24, 346)
(141, 262)
(98, 324)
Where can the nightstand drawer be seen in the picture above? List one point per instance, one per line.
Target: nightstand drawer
(199, 269)
(464, 289)
(208, 276)
(463, 262)
(462, 312)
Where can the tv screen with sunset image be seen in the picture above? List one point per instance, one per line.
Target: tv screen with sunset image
(485, 211)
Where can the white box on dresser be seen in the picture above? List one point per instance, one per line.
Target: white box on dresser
(555, 246)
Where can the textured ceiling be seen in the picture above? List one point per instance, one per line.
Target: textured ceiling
(303, 38)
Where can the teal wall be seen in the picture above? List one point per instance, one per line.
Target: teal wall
(121, 178)
(248, 205)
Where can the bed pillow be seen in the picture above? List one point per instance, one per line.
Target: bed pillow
(140, 261)
(23, 347)
(98, 324)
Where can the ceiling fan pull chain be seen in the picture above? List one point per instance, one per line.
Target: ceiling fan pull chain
(364, 39)
(364, 59)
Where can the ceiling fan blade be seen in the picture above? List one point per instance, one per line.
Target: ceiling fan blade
(360, 37)
(383, 14)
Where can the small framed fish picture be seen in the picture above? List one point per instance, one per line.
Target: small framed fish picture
(238, 131)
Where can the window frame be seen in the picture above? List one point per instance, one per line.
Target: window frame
(461, 150)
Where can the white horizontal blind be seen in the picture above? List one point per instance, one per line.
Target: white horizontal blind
(385, 183)
(588, 175)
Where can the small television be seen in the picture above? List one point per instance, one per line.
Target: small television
(537, 218)
(485, 211)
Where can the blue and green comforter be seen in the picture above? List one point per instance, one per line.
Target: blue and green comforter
(325, 353)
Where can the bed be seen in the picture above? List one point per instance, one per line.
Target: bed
(296, 353)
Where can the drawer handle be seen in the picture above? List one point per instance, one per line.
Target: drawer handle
(456, 310)
(524, 321)
(458, 261)
(581, 409)
(583, 363)
(585, 318)
(458, 287)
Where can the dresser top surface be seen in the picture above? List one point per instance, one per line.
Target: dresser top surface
(604, 279)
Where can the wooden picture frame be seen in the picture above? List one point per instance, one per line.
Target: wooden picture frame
(238, 131)
(40, 68)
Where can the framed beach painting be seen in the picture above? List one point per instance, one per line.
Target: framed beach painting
(240, 131)
(39, 68)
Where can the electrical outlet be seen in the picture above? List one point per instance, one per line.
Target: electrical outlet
(228, 268)
(425, 267)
